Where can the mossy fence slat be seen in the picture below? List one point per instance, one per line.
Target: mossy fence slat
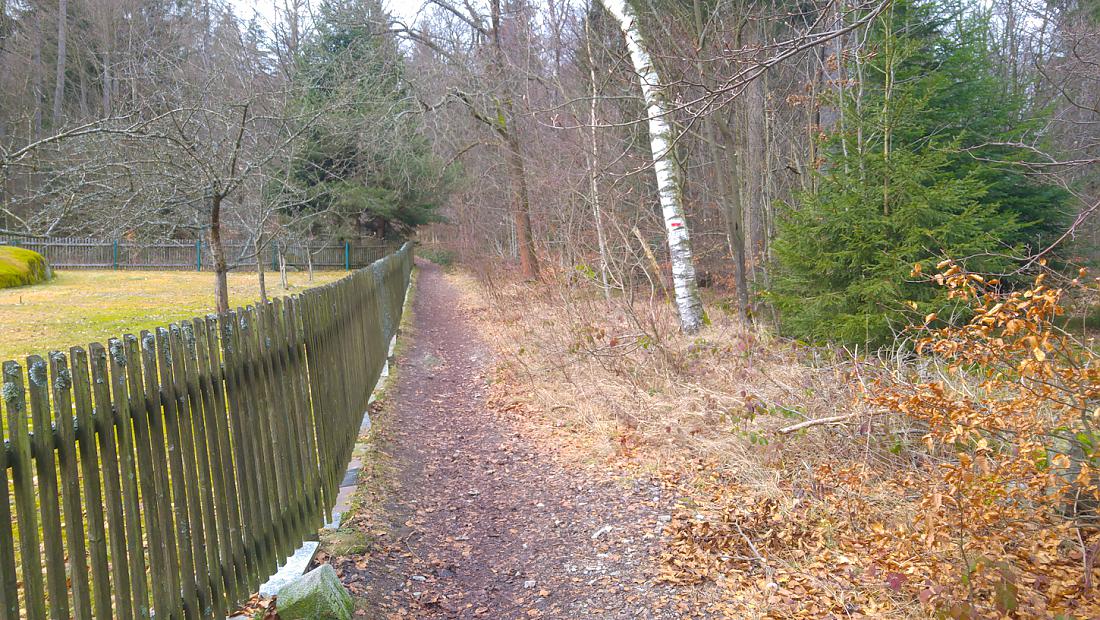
(170, 472)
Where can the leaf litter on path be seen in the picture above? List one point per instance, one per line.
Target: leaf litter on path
(472, 519)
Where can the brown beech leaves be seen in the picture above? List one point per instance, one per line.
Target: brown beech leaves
(1008, 488)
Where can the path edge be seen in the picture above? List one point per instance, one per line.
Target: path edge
(297, 563)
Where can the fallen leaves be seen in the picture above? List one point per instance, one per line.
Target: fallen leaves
(258, 606)
(890, 513)
(780, 558)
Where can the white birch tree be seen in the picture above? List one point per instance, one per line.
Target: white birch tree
(688, 303)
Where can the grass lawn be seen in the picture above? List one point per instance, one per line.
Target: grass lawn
(79, 307)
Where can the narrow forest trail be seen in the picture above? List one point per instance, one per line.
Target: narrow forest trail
(478, 523)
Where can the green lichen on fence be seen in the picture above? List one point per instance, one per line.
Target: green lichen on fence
(169, 473)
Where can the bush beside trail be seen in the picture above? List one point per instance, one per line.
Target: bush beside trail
(955, 480)
(20, 267)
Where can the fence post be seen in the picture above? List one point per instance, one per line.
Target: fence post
(198, 254)
(114, 252)
(274, 257)
(347, 256)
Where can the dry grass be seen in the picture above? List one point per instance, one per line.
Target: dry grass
(620, 386)
(78, 307)
(720, 395)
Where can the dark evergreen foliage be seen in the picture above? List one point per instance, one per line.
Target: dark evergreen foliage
(919, 169)
(366, 163)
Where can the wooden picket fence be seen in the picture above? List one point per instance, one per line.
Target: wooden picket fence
(169, 473)
(84, 253)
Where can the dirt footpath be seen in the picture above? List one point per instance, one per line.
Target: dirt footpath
(477, 523)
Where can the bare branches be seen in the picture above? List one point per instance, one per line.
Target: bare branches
(11, 156)
(471, 17)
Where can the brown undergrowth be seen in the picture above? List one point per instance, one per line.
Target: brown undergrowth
(800, 492)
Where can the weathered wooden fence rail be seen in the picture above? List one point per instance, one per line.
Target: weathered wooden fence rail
(170, 472)
(81, 253)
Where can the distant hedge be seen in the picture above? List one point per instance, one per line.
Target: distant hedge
(20, 267)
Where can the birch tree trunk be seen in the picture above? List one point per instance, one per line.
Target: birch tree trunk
(592, 167)
(688, 303)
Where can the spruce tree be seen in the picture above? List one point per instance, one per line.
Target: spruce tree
(911, 176)
(366, 163)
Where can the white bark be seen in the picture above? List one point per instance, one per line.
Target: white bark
(688, 303)
(592, 165)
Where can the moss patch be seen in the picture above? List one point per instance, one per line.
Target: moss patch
(21, 267)
(345, 541)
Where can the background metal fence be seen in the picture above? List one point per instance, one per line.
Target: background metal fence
(169, 472)
(84, 253)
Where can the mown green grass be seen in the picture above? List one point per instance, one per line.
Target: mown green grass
(78, 307)
(20, 267)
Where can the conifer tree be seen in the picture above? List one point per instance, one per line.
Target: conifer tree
(909, 178)
(366, 161)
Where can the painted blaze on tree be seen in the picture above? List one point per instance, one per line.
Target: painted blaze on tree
(688, 303)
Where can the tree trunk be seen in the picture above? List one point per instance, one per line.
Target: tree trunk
(84, 110)
(221, 268)
(59, 86)
(507, 127)
(282, 272)
(841, 83)
(754, 163)
(887, 112)
(521, 211)
(257, 247)
(4, 69)
(592, 166)
(729, 179)
(206, 33)
(688, 303)
(37, 78)
(293, 19)
(727, 175)
(106, 84)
